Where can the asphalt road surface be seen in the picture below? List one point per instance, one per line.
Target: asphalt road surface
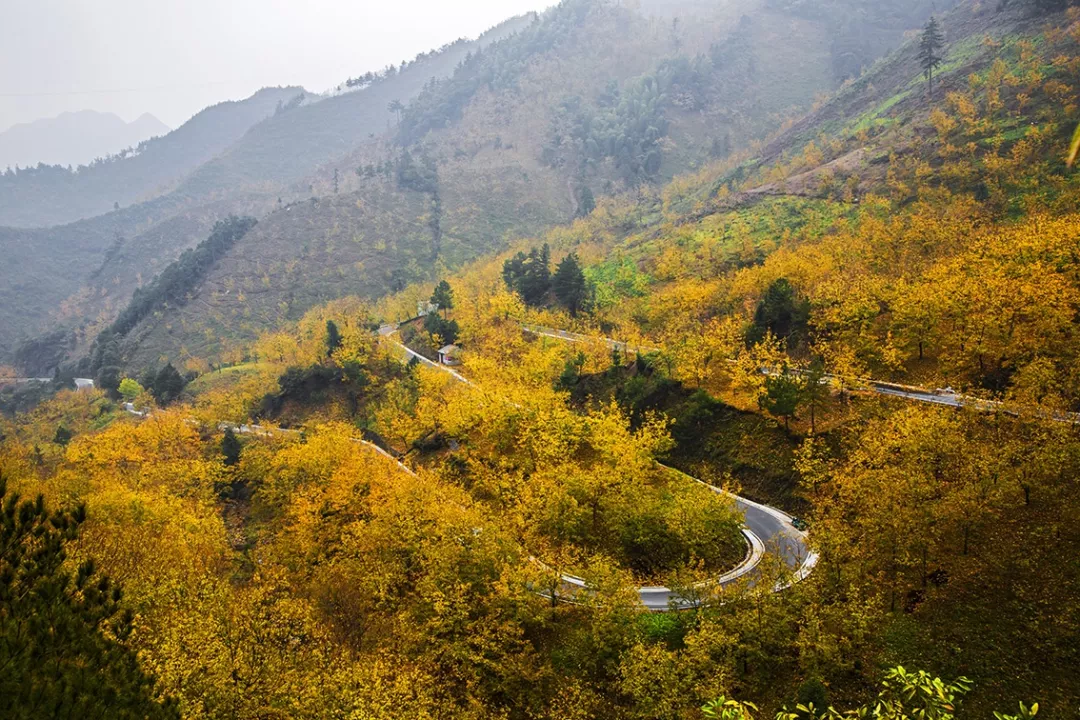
(769, 532)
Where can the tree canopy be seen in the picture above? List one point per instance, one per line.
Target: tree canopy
(569, 285)
(168, 384)
(63, 636)
(443, 296)
(529, 275)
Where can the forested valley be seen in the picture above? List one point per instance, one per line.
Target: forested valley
(788, 430)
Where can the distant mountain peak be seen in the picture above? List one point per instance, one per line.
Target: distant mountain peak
(149, 125)
(74, 138)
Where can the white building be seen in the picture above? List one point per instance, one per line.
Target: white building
(449, 355)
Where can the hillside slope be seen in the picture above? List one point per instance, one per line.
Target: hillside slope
(758, 323)
(894, 234)
(68, 276)
(890, 233)
(590, 101)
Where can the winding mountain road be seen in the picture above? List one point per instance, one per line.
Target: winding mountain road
(769, 532)
(945, 397)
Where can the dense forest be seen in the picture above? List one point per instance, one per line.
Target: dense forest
(791, 435)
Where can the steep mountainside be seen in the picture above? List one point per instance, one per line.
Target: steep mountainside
(53, 195)
(592, 100)
(891, 233)
(895, 237)
(289, 146)
(72, 275)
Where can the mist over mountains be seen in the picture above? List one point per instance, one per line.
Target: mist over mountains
(634, 360)
(74, 138)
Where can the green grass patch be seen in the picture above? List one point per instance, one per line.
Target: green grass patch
(746, 236)
(617, 279)
(225, 376)
(873, 118)
(767, 221)
(962, 53)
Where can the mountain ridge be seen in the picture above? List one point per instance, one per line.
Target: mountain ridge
(51, 195)
(74, 138)
(68, 276)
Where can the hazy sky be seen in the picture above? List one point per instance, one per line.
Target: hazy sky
(174, 57)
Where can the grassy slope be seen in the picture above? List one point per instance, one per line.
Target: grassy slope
(870, 117)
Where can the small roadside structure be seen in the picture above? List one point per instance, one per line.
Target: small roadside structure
(84, 384)
(449, 356)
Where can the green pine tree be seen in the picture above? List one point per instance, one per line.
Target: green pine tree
(530, 275)
(62, 650)
(230, 448)
(333, 337)
(63, 435)
(443, 297)
(586, 201)
(782, 313)
(931, 44)
(782, 396)
(569, 284)
(168, 385)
